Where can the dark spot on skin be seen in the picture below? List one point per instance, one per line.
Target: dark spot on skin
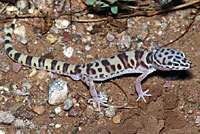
(12, 26)
(95, 77)
(166, 53)
(178, 57)
(169, 57)
(132, 62)
(107, 69)
(164, 61)
(168, 49)
(93, 71)
(160, 55)
(172, 51)
(58, 67)
(101, 75)
(119, 67)
(100, 69)
(83, 66)
(105, 62)
(71, 72)
(112, 57)
(34, 64)
(113, 68)
(169, 63)
(97, 64)
(21, 62)
(162, 50)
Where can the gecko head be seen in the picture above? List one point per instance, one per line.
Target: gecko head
(168, 59)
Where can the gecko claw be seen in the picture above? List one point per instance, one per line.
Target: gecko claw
(142, 94)
(99, 102)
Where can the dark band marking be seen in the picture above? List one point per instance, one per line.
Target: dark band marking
(107, 69)
(34, 64)
(88, 67)
(143, 65)
(112, 57)
(7, 42)
(9, 34)
(77, 69)
(58, 67)
(124, 59)
(53, 64)
(132, 62)
(138, 55)
(28, 60)
(16, 56)
(96, 64)
(41, 62)
(12, 26)
(172, 51)
(149, 58)
(8, 50)
(166, 53)
(101, 75)
(169, 57)
(105, 62)
(65, 67)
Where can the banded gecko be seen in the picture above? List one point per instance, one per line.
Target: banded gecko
(165, 59)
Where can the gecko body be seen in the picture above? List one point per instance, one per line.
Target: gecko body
(143, 62)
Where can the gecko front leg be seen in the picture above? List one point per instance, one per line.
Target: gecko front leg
(138, 85)
(89, 82)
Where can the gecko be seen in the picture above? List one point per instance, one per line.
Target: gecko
(142, 62)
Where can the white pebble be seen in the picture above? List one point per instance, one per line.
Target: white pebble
(68, 52)
(58, 125)
(57, 110)
(11, 8)
(62, 23)
(20, 31)
(6, 117)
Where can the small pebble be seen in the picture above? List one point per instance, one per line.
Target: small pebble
(110, 111)
(62, 23)
(19, 124)
(2, 132)
(21, 4)
(197, 121)
(57, 110)
(190, 112)
(89, 111)
(58, 125)
(124, 43)
(67, 104)
(73, 112)
(110, 37)
(167, 85)
(23, 40)
(58, 91)
(26, 85)
(20, 31)
(199, 107)
(39, 109)
(16, 67)
(87, 47)
(66, 37)
(116, 119)
(51, 38)
(68, 52)
(52, 125)
(32, 73)
(15, 106)
(23, 114)
(6, 117)
(11, 8)
(1, 52)
(191, 100)
(52, 115)
(5, 66)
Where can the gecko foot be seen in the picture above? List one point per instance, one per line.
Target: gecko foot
(99, 102)
(142, 94)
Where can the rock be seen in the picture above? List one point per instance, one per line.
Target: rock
(23, 114)
(62, 23)
(6, 117)
(110, 111)
(57, 110)
(58, 91)
(19, 124)
(68, 51)
(5, 66)
(20, 31)
(110, 37)
(51, 38)
(124, 43)
(39, 109)
(67, 104)
(116, 119)
(16, 67)
(73, 112)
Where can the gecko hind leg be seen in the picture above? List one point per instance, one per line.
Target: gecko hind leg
(89, 82)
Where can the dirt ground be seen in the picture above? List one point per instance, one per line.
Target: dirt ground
(173, 108)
